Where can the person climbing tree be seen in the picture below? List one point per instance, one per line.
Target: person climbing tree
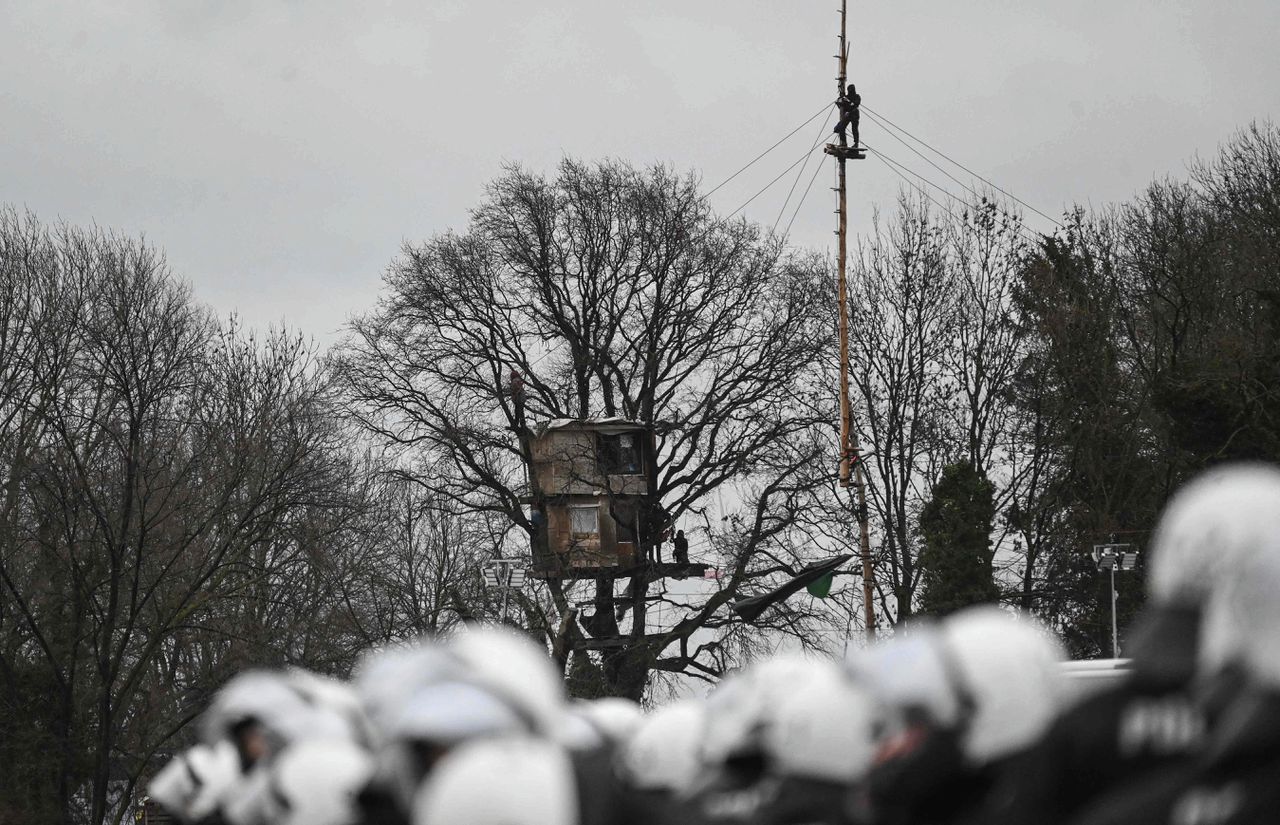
(848, 104)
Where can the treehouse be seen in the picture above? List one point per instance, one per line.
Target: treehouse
(590, 497)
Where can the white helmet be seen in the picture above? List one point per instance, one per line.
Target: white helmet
(312, 782)
(426, 697)
(274, 701)
(513, 667)
(386, 678)
(506, 664)
(910, 670)
(1008, 672)
(1242, 619)
(664, 752)
(192, 784)
(824, 728)
(454, 711)
(436, 718)
(318, 781)
(250, 801)
(1221, 515)
(615, 719)
(578, 734)
(335, 697)
(500, 782)
(740, 706)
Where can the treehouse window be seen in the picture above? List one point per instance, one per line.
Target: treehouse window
(584, 521)
(620, 454)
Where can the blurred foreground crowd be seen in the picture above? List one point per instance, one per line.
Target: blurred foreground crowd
(965, 720)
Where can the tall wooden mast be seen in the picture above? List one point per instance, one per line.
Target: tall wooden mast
(850, 459)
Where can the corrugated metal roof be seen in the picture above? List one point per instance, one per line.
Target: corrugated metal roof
(615, 424)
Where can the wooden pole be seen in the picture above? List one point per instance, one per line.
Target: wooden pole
(846, 428)
(850, 459)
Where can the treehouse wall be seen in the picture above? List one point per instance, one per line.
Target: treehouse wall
(590, 480)
(568, 462)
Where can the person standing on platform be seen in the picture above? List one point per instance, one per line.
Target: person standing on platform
(848, 104)
(681, 545)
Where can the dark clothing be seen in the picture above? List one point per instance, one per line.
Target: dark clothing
(1148, 800)
(762, 798)
(1112, 739)
(1164, 641)
(928, 781)
(1147, 727)
(735, 800)
(681, 545)
(746, 792)
(599, 792)
(1233, 782)
(603, 798)
(849, 115)
(920, 782)
(378, 807)
(813, 802)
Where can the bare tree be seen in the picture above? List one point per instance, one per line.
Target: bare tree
(171, 487)
(417, 569)
(902, 305)
(610, 291)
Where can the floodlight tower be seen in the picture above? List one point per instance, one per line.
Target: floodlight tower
(507, 574)
(1110, 557)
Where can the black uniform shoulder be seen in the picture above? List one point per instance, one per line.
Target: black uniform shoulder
(1143, 801)
(1193, 795)
(600, 800)
(1233, 780)
(1107, 740)
(813, 801)
(604, 798)
(1131, 722)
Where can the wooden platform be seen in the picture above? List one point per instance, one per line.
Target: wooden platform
(846, 152)
(614, 642)
(661, 570)
(611, 643)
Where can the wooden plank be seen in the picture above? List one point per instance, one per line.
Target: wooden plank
(581, 568)
(846, 152)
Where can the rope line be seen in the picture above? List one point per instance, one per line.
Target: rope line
(939, 152)
(803, 198)
(751, 162)
(896, 168)
(828, 108)
(770, 184)
(899, 169)
(822, 133)
(925, 158)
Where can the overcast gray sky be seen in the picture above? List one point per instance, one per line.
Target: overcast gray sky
(281, 151)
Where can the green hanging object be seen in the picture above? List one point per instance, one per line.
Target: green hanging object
(750, 608)
(821, 587)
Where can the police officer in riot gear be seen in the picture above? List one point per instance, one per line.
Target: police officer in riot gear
(974, 694)
(1231, 780)
(1155, 723)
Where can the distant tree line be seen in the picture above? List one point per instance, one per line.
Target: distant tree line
(181, 498)
(1080, 377)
